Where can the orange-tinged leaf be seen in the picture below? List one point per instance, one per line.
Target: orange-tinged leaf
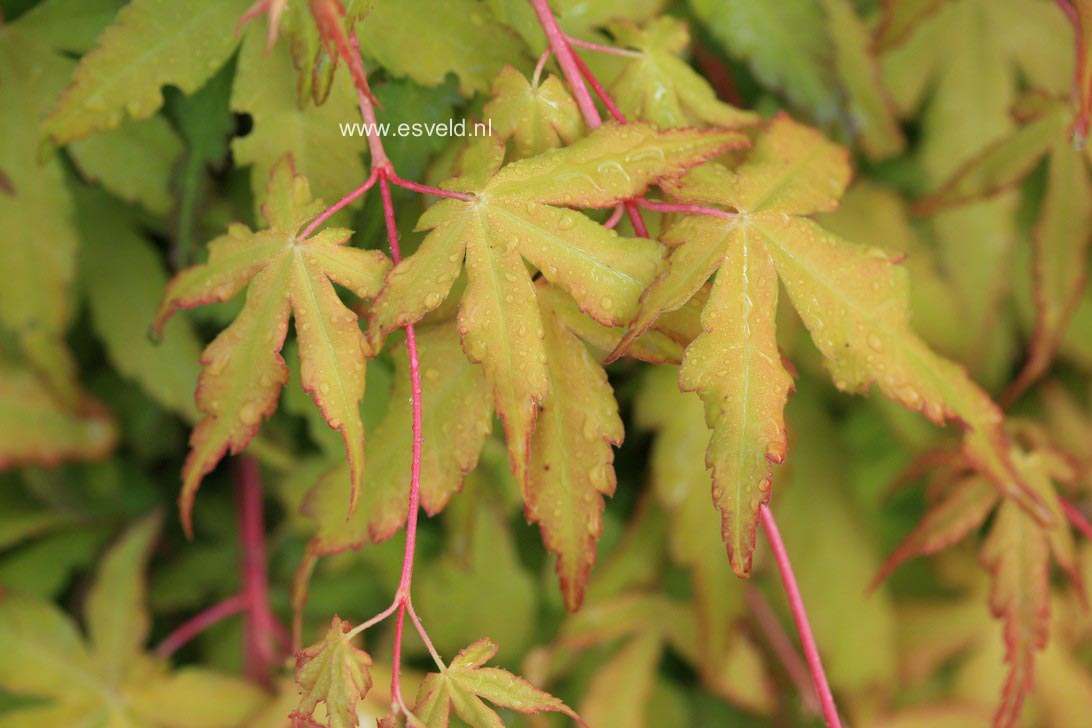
(612, 163)
(853, 300)
(962, 508)
(243, 369)
(511, 219)
(456, 418)
(1018, 555)
(1060, 244)
(465, 682)
(571, 466)
(735, 367)
(333, 672)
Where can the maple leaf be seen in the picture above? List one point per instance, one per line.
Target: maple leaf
(333, 672)
(870, 111)
(681, 483)
(934, 75)
(962, 508)
(465, 683)
(851, 298)
(511, 217)
(571, 457)
(265, 88)
(660, 87)
(456, 416)
(536, 118)
(107, 679)
(426, 40)
(1018, 555)
(1063, 232)
(35, 299)
(243, 371)
(178, 44)
(40, 430)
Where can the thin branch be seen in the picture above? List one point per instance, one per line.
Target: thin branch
(259, 625)
(800, 616)
(199, 623)
(684, 208)
(566, 58)
(346, 200)
(600, 48)
(601, 92)
(615, 217)
(424, 636)
(783, 648)
(428, 189)
(540, 67)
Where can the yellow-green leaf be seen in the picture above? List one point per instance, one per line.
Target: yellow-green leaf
(456, 414)
(871, 111)
(265, 88)
(465, 682)
(152, 43)
(333, 672)
(37, 429)
(536, 118)
(659, 86)
(135, 161)
(117, 618)
(571, 466)
(244, 371)
(427, 40)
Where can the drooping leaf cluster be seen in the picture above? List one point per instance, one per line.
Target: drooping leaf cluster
(883, 199)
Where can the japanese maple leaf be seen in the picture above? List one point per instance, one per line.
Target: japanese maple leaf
(511, 218)
(104, 677)
(852, 299)
(334, 672)
(1063, 231)
(1018, 552)
(243, 370)
(463, 685)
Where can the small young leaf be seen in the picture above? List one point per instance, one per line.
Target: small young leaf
(333, 672)
(463, 685)
(660, 87)
(536, 118)
(244, 371)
